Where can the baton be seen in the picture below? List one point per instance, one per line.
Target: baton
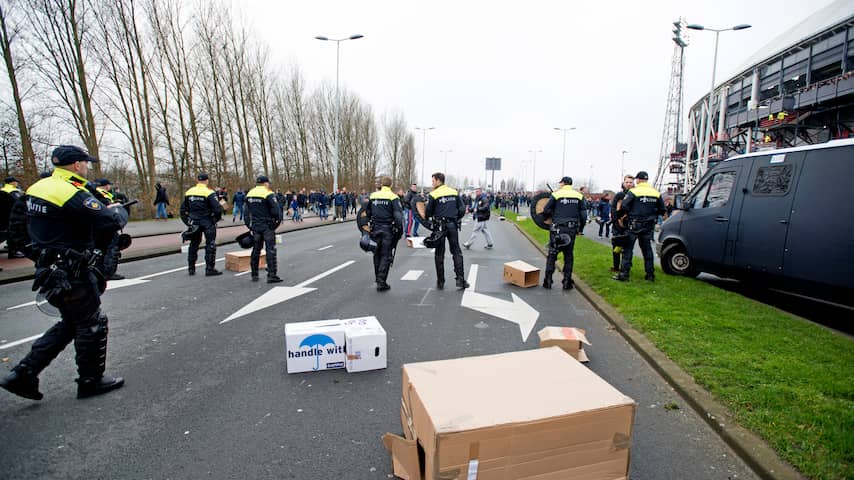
(129, 203)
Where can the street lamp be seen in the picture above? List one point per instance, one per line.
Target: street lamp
(534, 171)
(337, 102)
(423, 148)
(563, 164)
(446, 152)
(708, 129)
(622, 165)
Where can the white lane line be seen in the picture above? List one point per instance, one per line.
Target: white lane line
(18, 342)
(324, 248)
(129, 282)
(242, 273)
(324, 274)
(412, 275)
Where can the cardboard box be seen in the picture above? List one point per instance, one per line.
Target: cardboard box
(366, 344)
(521, 218)
(415, 242)
(536, 414)
(239, 261)
(568, 339)
(314, 346)
(521, 274)
(279, 239)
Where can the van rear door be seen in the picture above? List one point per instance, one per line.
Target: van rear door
(820, 241)
(704, 226)
(764, 220)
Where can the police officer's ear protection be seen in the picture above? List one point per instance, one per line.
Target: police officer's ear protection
(124, 241)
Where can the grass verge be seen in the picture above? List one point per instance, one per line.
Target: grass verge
(788, 380)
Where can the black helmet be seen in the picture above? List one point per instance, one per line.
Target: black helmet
(563, 240)
(435, 239)
(367, 244)
(244, 240)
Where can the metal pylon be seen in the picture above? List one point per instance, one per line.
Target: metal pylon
(672, 131)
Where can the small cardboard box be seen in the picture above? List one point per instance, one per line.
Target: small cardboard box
(521, 218)
(239, 261)
(521, 274)
(535, 414)
(569, 339)
(415, 242)
(279, 239)
(314, 346)
(366, 344)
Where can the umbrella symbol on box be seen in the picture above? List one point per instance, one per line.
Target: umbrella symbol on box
(316, 340)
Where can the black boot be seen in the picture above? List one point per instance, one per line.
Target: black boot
(440, 284)
(191, 270)
(621, 277)
(568, 284)
(22, 382)
(547, 283)
(90, 387)
(212, 273)
(383, 286)
(462, 284)
(274, 279)
(649, 277)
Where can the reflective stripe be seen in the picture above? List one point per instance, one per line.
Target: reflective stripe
(567, 192)
(258, 192)
(384, 194)
(443, 191)
(200, 190)
(58, 188)
(9, 188)
(644, 190)
(106, 193)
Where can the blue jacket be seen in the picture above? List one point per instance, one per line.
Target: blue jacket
(605, 210)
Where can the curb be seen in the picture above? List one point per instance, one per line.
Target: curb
(752, 449)
(156, 252)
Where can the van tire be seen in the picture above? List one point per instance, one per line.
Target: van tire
(675, 261)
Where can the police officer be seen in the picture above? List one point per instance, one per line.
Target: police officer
(9, 194)
(618, 226)
(108, 243)
(566, 207)
(641, 207)
(63, 218)
(386, 217)
(201, 209)
(446, 208)
(263, 216)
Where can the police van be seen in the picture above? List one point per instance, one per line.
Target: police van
(779, 218)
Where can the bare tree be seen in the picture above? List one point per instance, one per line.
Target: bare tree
(407, 160)
(60, 29)
(394, 139)
(8, 32)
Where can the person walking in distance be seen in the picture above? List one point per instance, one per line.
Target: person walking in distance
(447, 210)
(63, 216)
(481, 218)
(641, 207)
(263, 217)
(201, 211)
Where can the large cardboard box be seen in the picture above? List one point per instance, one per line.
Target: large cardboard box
(569, 339)
(314, 346)
(366, 344)
(536, 414)
(239, 261)
(521, 274)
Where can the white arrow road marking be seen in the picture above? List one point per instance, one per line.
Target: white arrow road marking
(412, 275)
(516, 311)
(278, 295)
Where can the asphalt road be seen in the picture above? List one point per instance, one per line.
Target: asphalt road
(210, 400)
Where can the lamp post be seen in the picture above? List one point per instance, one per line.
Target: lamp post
(622, 165)
(708, 129)
(563, 163)
(446, 152)
(423, 147)
(534, 171)
(337, 102)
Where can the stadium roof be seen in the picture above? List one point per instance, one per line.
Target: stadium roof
(837, 13)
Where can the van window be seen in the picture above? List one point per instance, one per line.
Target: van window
(773, 180)
(715, 193)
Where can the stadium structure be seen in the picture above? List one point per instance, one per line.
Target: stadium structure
(798, 89)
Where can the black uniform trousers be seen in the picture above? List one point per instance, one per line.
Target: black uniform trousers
(266, 237)
(567, 250)
(83, 322)
(617, 234)
(384, 237)
(644, 238)
(452, 233)
(210, 247)
(111, 256)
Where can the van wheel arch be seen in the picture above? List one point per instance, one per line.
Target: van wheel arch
(676, 261)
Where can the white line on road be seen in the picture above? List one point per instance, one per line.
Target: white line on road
(242, 273)
(324, 248)
(22, 305)
(412, 275)
(326, 273)
(18, 342)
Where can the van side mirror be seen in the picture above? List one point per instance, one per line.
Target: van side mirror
(679, 202)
